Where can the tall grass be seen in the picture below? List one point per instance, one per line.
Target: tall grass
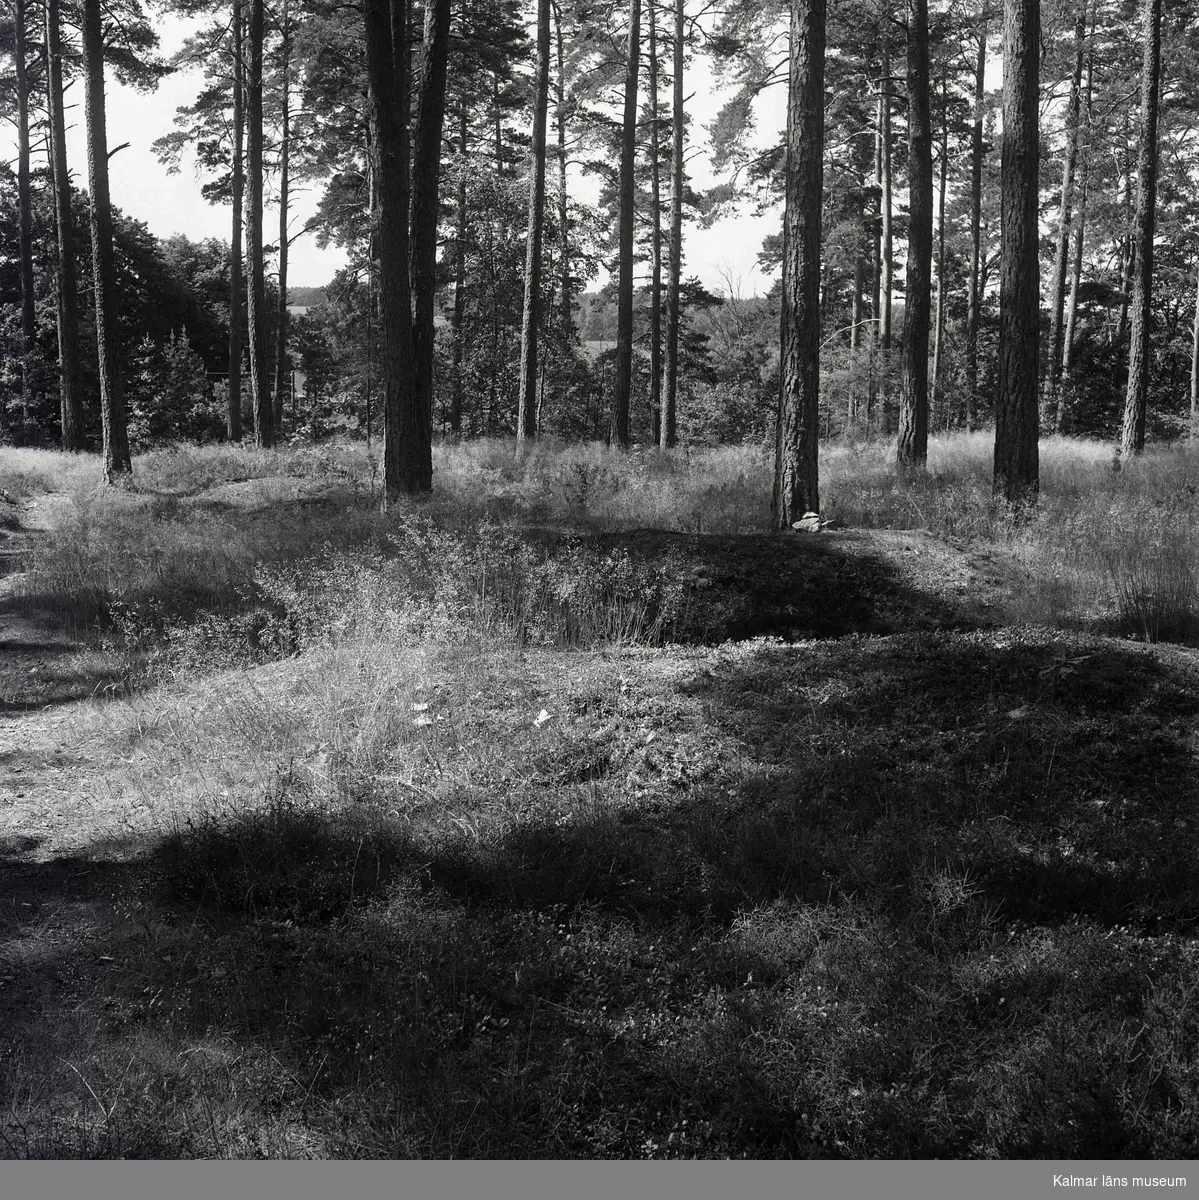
(1106, 549)
(445, 879)
(25, 473)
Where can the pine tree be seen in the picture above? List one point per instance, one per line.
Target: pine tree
(1016, 410)
(118, 464)
(796, 473)
(1132, 438)
(526, 416)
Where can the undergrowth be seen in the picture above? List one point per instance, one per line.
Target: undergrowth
(1106, 550)
(737, 902)
(435, 845)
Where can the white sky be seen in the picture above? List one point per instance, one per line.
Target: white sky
(170, 204)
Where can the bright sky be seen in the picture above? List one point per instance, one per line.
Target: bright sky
(170, 204)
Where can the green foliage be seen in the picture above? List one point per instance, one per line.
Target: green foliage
(169, 397)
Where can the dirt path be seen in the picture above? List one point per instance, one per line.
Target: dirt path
(31, 643)
(50, 914)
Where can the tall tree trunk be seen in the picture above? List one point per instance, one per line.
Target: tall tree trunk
(526, 416)
(1132, 438)
(1079, 236)
(426, 196)
(1194, 431)
(888, 265)
(117, 462)
(1128, 245)
(628, 183)
(565, 299)
(264, 424)
(71, 389)
(855, 340)
(25, 217)
(499, 124)
(459, 281)
(281, 375)
(655, 300)
(938, 405)
(1057, 293)
(668, 433)
(973, 284)
(912, 443)
(796, 473)
(236, 254)
(876, 268)
(407, 444)
(1017, 477)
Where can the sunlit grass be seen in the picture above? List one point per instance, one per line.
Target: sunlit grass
(411, 834)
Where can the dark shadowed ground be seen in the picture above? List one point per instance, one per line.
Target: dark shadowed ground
(897, 880)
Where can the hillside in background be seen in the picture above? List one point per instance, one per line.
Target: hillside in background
(305, 297)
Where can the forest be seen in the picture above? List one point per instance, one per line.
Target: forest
(525, 697)
(496, 241)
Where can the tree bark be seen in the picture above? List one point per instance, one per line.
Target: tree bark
(236, 254)
(565, 298)
(1195, 365)
(938, 404)
(855, 340)
(526, 417)
(25, 217)
(1079, 236)
(624, 306)
(1057, 294)
(407, 435)
(655, 300)
(426, 196)
(796, 474)
(1132, 438)
(912, 443)
(876, 268)
(976, 192)
(888, 264)
(264, 424)
(498, 131)
(117, 462)
(1128, 241)
(459, 281)
(71, 389)
(668, 434)
(1016, 417)
(281, 374)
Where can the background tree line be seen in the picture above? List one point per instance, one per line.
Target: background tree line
(482, 164)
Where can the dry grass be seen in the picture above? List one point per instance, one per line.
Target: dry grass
(416, 841)
(1107, 550)
(719, 902)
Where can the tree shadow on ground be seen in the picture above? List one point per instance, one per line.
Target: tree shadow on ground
(942, 906)
(1056, 775)
(823, 586)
